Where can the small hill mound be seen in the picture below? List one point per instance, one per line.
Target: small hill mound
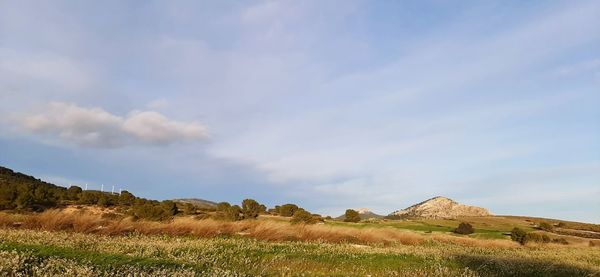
(440, 207)
(198, 203)
(363, 213)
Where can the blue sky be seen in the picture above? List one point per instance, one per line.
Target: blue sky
(328, 104)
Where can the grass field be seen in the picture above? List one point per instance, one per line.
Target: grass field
(267, 247)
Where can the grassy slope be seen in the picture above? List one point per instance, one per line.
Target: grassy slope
(485, 227)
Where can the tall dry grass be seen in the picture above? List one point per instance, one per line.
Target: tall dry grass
(268, 230)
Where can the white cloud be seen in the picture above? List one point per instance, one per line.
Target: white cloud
(95, 127)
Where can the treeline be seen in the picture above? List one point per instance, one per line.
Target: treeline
(25, 193)
(250, 209)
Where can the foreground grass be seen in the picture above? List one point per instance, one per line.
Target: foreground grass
(41, 253)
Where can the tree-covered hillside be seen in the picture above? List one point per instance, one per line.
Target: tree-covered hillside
(26, 193)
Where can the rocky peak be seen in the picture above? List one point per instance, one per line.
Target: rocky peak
(363, 211)
(440, 207)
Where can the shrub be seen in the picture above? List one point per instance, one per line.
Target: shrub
(150, 211)
(560, 241)
(188, 208)
(234, 213)
(546, 226)
(73, 193)
(104, 201)
(518, 235)
(223, 206)
(536, 237)
(302, 216)
(464, 228)
(169, 208)
(126, 198)
(351, 216)
(288, 210)
(250, 208)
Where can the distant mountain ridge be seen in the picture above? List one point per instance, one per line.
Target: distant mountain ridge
(440, 207)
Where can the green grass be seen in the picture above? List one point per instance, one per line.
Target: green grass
(25, 252)
(485, 228)
(108, 260)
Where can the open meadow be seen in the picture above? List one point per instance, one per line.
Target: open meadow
(64, 243)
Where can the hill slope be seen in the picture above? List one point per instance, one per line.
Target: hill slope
(363, 213)
(440, 207)
(199, 203)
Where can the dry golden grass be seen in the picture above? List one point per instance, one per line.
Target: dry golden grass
(267, 230)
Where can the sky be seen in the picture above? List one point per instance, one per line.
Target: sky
(327, 104)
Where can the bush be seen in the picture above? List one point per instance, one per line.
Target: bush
(351, 216)
(223, 207)
(464, 228)
(169, 208)
(288, 210)
(518, 235)
(188, 208)
(560, 241)
(302, 216)
(126, 198)
(546, 226)
(250, 208)
(262, 209)
(535, 237)
(234, 213)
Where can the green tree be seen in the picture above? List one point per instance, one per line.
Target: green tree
(73, 193)
(288, 210)
(104, 200)
(262, 209)
(24, 201)
(234, 213)
(351, 216)
(223, 206)
(250, 208)
(89, 198)
(126, 198)
(8, 194)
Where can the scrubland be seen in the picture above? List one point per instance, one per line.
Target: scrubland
(83, 244)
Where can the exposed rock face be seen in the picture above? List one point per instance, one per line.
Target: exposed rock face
(440, 207)
(366, 214)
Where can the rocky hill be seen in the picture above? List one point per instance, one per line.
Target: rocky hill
(440, 207)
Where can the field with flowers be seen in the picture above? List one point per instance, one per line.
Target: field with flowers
(188, 247)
